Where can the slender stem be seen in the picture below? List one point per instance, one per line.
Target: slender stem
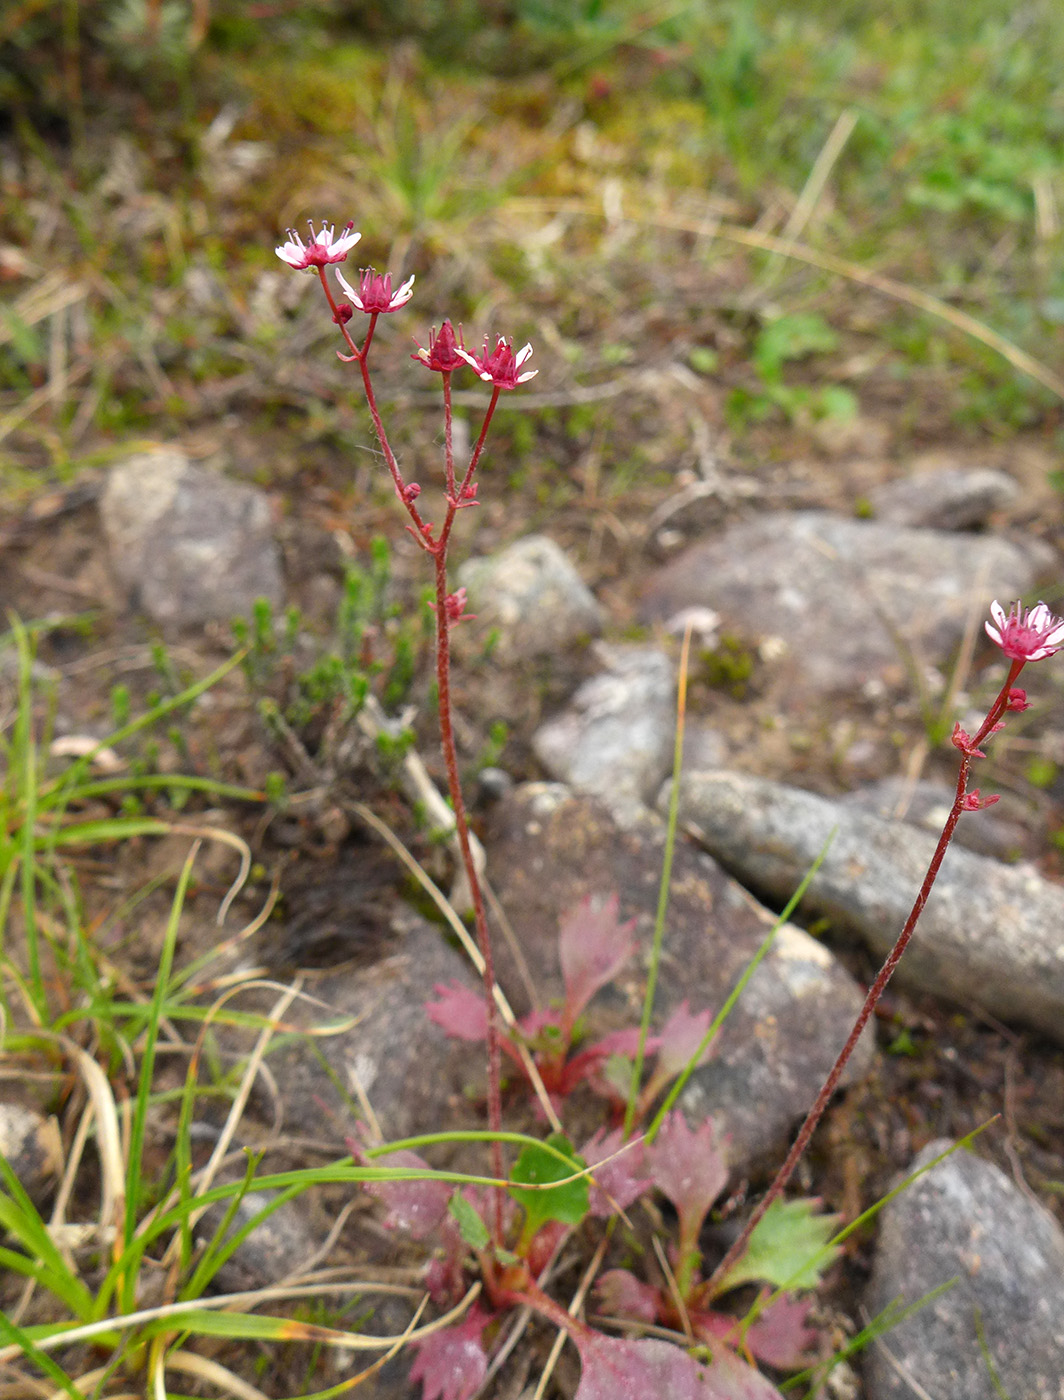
(450, 758)
(663, 887)
(355, 351)
(422, 532)
(875, 991)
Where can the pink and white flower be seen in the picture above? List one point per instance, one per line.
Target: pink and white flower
(324, 247)
(375, 292)
(1026, 636)
(445, 352)
(500, 366)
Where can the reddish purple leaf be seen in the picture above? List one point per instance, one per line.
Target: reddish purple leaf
(728, 1378)
(681, 1036)
(613, 1368)
(588, 1063)
(416, 1207)
(593, 947)
(460, 1012)
(617, 1184)
(689, 1169)
(451, 1364)
(623, 1295)
(780, 1336)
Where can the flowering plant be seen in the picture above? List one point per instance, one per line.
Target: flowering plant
(513, 1228)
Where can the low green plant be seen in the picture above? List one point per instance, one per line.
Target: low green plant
(782, 341)
(44, 808)
(376, 645)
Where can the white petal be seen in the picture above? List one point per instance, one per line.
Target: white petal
(350, 290)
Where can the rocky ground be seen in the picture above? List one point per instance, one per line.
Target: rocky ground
(801, 722)
(823, 469)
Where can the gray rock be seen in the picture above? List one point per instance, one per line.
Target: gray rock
(548, 849)
(991, 934)
(415, 1078)
(284, 1243)
(533, 595)
(926, 804)
(954, 498)
(615, 738)
(966, 1220)
(32, 1147)
(188, 545)
(842, 604)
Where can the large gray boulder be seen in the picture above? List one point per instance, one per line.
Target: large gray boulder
(999, 1330)
(844, 605)
(991, 934)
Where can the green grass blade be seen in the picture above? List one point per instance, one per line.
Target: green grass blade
(19, 1216)
(16, 1336)
(663, 889)
(147, 1065)
(725, 1011)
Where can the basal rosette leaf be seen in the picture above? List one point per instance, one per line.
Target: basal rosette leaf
(593, 947)
(619, 1181)
(415, 1207)
(788, 1249)
(781, 1336)
(460, 1012)
(536, 1167)
(614, 1368)
(689, 1168)
(451, 1364)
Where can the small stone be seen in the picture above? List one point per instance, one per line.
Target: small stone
(188, 545)
(614, 740)
(533, 595)
(966, 1222)
(31, 1145)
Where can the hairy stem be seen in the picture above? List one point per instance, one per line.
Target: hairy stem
(875, 991)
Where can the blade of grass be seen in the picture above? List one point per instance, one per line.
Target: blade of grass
(663, 888)
(31, 1352)
(147, 1065)
(736, 992)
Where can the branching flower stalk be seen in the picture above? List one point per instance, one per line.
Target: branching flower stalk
(445, 353)
(1023, 637)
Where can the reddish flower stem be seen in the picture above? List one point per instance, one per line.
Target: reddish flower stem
(875, 991)
(422, 532)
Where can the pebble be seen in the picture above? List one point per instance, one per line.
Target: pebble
(188, 545)
(532, 594)
(31, 1146)
(952, 498)
(614, 740)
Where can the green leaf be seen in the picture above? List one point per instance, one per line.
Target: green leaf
(537, 1167)
(789, 1248)
(470, 1225)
